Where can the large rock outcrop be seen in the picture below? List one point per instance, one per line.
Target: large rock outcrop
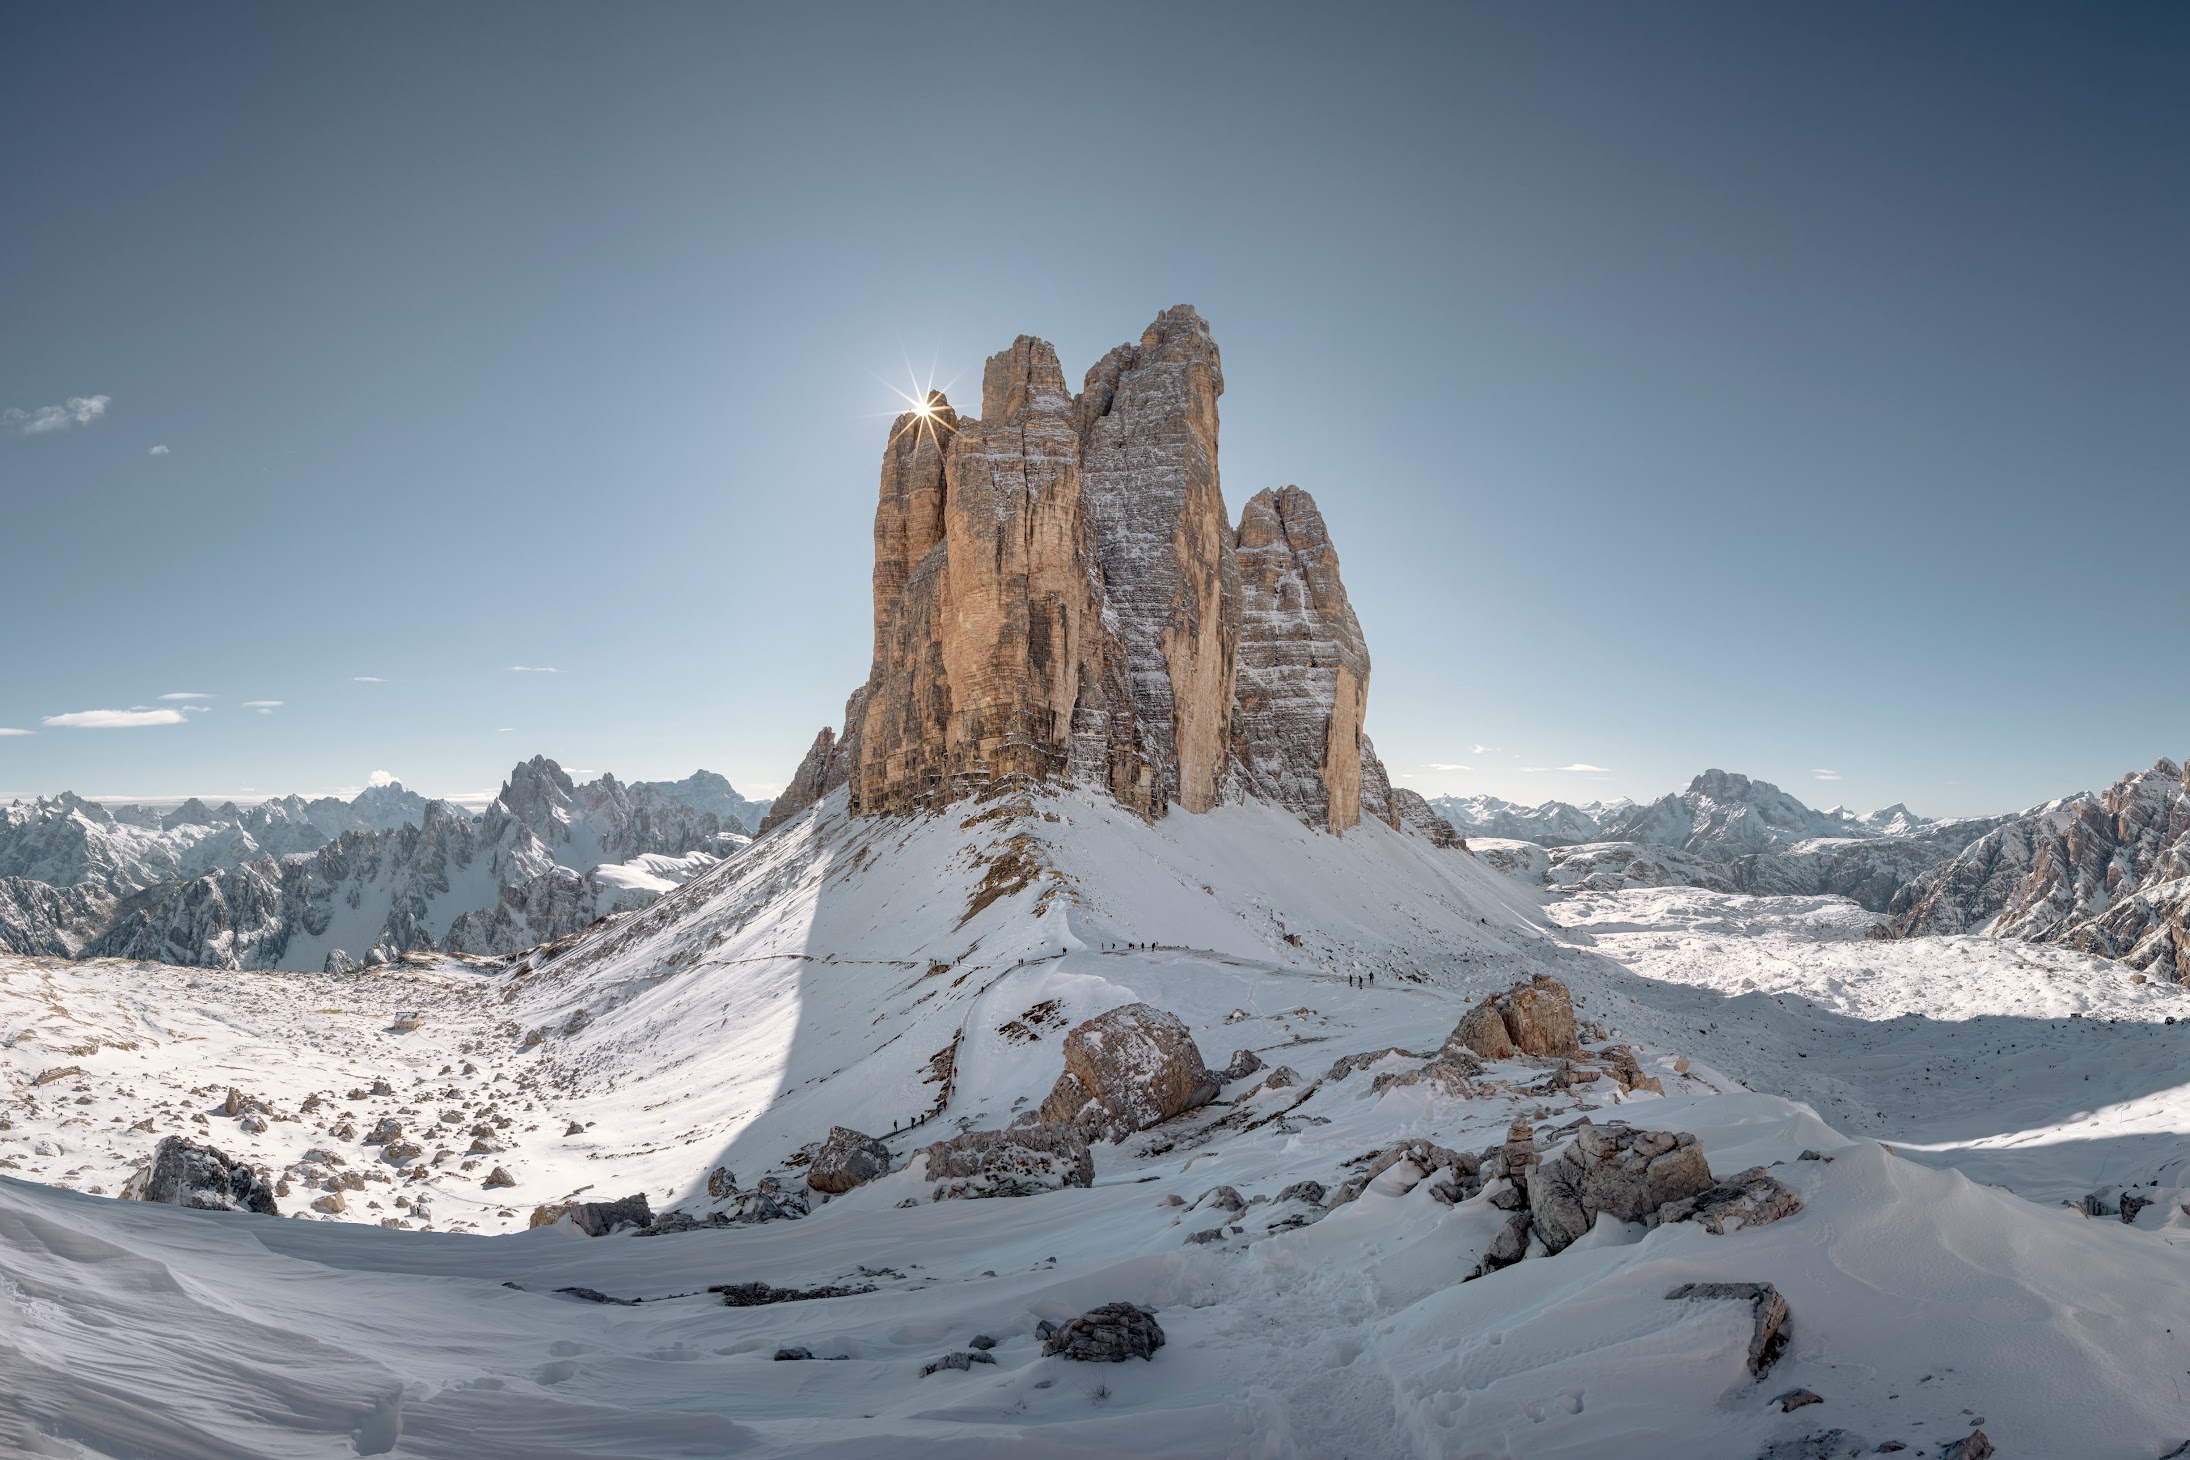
(1127, 1070)
(1059, 596)
(1025, 1160)
(1618, 1171)
(1303, 678)
(1535, 1016)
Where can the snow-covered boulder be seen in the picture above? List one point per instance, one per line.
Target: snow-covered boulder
(183, 1173)
(1127, 1070)
(1750, 1199)
(1022, 1161)
(597, 1218)
(1110, 1334)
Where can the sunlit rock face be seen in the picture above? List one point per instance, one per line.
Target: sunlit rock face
(1059, 595)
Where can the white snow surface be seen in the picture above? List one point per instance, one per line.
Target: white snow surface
(1936, 1282)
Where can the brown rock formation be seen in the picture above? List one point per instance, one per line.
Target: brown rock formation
(1303, 667)
(1535, 1016)
(1058, 595)
(1127, 1070)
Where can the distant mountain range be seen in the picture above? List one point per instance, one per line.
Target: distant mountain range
(2107, 872)
(299, 884)
(1725, 832)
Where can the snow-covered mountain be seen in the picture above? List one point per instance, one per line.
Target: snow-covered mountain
(2108, 872)
(1552, 824)
(296, 884)
(1094, 1057)
(1727, 833)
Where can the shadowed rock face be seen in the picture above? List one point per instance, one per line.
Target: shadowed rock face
(1303, 679)
(1148, 432)
(1058, 595)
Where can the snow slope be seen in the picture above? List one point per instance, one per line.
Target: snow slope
(816, 978)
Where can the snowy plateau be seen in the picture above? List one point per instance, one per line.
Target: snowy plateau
(1090, 1057)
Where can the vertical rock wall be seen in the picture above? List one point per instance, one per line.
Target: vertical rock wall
(1058, 594)
(1148, 446)
(1303, 667)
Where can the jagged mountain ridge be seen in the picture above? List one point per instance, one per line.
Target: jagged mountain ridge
(1729, 833)
(207, 886)
(2105, 872)
(1060, 596)
(1551, 824)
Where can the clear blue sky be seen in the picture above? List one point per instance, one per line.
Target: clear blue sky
(1792, 389)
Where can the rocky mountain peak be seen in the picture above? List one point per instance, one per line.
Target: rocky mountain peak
(1060, 594)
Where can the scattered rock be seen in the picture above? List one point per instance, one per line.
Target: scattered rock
(1768, 1330)
(847, 1159)
(1973, 1446)
(596, 1218)
(47, 1077)
(1749, 1199)
(1221, 1198)
(961, 1361)
(1831, 1445)
(1127, 1070)
(981, 1341)
(332, 1204)
(185, 1174)
(1311, 1192)
(1795, 1399)
(786, 1355)
(389, 1129)
(1021, 1161)
(1110, 1334)
(1244, 1063)
(395, 1153)
(761, 1295)
(720, 1183)
(1617, 1170)
(595, 1295)
(498, 1177)
(1350, 1063)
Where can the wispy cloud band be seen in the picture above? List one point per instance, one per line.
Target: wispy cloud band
(112, 719)
(77, 410)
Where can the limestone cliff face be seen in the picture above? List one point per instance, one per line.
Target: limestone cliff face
(1059, 595)
(1148, 447)
(1303, 667)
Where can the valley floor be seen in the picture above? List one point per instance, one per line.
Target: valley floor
(1937, 1283)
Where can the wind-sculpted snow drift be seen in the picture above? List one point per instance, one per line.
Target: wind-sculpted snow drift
(1135, 1034)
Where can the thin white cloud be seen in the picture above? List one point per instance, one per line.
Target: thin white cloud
(1482, 750)
(77, 410)
(112, 719)
(264, 707)
(533, 669)
(7, 730)
(1824, 775)
(157, 451)
(507, 730)
(186, 695)
(367, 679)
(1595, 770)
(380, 778)
(1439, 765)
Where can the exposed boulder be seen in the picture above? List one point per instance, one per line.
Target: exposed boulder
(1614, 1169)
(1127, 1070)
(1110, 1334)
(847, 1159)
(761, 1295)
(183, 1173)
(597, 1218)
(1022, 1161)
(1750, 1199)
(1533, 1017)
(1245, 1062)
